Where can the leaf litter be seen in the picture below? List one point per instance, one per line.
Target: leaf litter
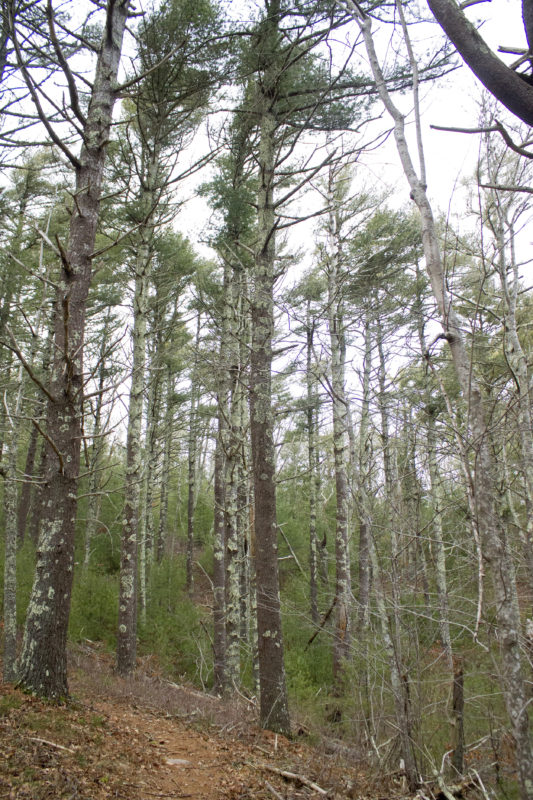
(144, 738)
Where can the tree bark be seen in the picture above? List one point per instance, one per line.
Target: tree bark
(10, 526)
(95, 478)
(192, 445)
(364, 489)
(165, 468)
(219, 572)
(312, 402)
(127, 607)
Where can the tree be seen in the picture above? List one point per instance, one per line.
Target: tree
(43, 667)
(293, 91)
(337, 189)
(165, 111)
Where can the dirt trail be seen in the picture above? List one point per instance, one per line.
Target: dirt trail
(145, 738)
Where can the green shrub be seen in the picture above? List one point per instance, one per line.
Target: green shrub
(94, 610)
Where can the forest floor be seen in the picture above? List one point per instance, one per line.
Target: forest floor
(145, 738)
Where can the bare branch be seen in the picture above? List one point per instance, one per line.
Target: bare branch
(16, 349)
(500, 188)
(73, 91)
(37, 103)
(497, 128)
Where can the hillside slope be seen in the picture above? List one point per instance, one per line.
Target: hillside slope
(145, 738)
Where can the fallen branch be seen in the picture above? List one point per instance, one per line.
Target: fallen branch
(52, 744)
(273, 791)
(293, 776)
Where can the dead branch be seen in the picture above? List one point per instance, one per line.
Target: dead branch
(293, 554)
(51, 744)
(324, 620)
(499, 188)
(293, 776)
(273, 791)
(496, 128)
(15, 349)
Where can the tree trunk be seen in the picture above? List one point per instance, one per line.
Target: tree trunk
(127, 616)
(518, 365)
(342, 640)
(95, 478)
(364, 489)
(165, 468)
(436, 500)
(312, 402)
(219, 572)
(191, 462)
(43, 663)
(10, 552)
(274, 712)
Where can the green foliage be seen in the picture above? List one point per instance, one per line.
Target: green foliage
(180, 78)
(175, 627)
(309, 667)
(8, 702)
(380, 251)
(94, 609)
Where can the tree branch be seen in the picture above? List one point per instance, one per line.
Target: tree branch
(37, 103)
(15, 349)
(504, 83)
(496, 128)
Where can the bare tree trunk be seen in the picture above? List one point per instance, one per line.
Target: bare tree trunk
(392, 492)
(342, 640)
(312, 402)
(232, 445)
(219, 571)
(363, 490)
(437, 503)
(518, 365)
(127, 616)
(458, 705)
(192, 445)
(165, 469)
(146, 527)
(95, 479)
(43, 665)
